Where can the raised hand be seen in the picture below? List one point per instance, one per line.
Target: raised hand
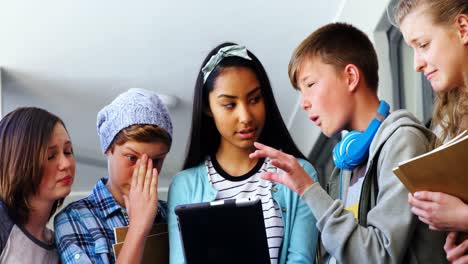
(294, 176)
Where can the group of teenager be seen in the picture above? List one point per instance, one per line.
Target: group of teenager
(240, 147)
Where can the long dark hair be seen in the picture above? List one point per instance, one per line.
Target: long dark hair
(205, 137)
(24, 137)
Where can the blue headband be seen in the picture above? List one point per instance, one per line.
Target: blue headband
(228, 51)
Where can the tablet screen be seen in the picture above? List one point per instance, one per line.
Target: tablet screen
(225, 231)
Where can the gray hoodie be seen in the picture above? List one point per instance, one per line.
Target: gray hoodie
(393, 234)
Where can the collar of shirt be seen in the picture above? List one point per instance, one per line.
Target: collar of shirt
(106, 204)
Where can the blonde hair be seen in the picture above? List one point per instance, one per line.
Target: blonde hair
(441, 11)
(451, 107)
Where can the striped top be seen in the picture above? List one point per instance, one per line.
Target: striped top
(251, 185)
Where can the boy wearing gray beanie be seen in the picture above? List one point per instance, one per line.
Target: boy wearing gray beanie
(135, 132)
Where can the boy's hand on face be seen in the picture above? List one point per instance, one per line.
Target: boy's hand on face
(142, 199)
(294, 176)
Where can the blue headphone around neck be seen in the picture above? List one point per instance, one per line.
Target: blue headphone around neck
(353, 149)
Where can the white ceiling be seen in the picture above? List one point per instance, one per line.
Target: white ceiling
(73, 57)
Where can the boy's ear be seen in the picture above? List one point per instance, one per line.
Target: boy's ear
(352, 76)
(462, 27)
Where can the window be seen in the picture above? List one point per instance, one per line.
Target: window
(411, 90)
(321, 157)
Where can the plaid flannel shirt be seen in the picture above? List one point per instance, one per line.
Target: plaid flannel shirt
(84, 230)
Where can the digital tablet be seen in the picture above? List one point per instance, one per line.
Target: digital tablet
(225, 231)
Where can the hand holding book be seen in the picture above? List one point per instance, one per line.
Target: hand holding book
(141, 204)
(438, 181)
(440, 211)
(444, 169)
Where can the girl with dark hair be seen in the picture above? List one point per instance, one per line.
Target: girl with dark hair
(233, 107)
(37, 169)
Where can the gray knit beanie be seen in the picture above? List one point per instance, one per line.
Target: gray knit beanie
(135, 106)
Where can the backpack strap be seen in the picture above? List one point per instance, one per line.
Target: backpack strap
(370, 190)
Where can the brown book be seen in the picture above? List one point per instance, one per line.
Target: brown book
(156, 245)
(121, 232)
(445, 169)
